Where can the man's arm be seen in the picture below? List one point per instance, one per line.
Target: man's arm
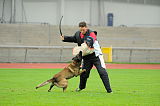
(69, 38)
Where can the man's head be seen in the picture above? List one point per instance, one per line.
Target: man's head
(83, 27)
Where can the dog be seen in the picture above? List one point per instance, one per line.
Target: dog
(61, 79)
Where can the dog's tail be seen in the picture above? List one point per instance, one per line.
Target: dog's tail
(45, 83)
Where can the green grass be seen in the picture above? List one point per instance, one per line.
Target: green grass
(131, 87)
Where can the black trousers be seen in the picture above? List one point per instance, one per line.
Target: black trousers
(98, 62)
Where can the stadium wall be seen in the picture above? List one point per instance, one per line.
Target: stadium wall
(48, 35)
(39, 54)
(126, 12)
(41, 43)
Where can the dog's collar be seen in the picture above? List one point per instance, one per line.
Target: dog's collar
(71, 69)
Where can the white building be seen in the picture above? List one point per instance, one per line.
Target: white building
(126, 12)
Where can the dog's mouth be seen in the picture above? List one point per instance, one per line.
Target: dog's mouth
(78, 57)
(77, 62)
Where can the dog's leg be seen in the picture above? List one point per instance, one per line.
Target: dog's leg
(64, 89)
(44, 83)
(51, 87)
(76, 73)
(81, 71)
(62, 84)
(65, 84)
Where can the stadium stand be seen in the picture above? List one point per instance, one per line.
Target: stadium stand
(41, 43)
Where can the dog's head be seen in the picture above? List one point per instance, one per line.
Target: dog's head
(78, 58)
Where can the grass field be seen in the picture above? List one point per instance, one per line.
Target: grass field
(131, 87)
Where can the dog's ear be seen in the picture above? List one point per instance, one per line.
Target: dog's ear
(80, 53)
(73, 58)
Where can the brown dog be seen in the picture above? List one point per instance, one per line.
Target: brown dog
(60, 79)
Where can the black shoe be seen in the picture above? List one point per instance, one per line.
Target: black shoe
(78, 89)
(109, 92)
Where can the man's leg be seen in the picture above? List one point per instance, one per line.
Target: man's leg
(100, 65)
(85, 75)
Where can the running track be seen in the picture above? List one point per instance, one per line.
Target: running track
(62, 65)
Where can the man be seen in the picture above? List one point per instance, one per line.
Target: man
(95, 58)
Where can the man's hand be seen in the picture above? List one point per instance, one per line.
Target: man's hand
(62, 37)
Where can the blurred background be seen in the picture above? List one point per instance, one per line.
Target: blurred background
(29, 29)
(129, 13)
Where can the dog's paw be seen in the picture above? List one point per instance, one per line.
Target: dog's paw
(49, 90)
